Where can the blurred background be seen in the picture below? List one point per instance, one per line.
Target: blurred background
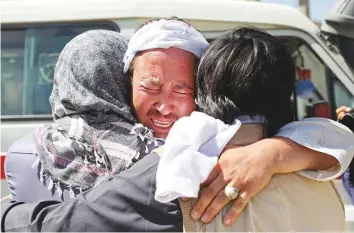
(314, 9)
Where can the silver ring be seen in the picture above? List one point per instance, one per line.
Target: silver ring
(231, 192)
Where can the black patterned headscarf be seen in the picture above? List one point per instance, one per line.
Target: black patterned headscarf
(95, 134)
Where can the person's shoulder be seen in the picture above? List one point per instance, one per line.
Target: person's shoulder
(24, 145)
(147, 165)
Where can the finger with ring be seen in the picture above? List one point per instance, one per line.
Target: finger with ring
(231, 192)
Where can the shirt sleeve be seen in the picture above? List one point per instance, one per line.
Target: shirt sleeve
(126, 203)
(326, 136)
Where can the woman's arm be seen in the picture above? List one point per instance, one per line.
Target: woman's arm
(315, 144)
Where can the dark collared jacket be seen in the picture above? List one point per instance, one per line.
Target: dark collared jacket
(126, 203)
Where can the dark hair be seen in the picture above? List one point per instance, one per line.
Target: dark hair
(247, 72)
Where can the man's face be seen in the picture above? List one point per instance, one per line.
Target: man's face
(163, 88)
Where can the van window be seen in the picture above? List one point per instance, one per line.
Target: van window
(342, 96)
(311, 82)
(28, 58)
(306, 59)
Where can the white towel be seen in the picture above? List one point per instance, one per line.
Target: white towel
(190, 153)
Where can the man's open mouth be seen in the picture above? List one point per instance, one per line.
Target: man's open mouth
(162, 124)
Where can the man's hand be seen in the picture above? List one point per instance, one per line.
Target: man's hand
(341, 111)
(249, 169)
(8, 197)
(245, 168)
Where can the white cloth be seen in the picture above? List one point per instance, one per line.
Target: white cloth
(326, 136)
(165, 34)
(190, 153)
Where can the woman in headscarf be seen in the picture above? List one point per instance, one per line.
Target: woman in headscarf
(93, 136)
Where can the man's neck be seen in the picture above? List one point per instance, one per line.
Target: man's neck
(246, 135)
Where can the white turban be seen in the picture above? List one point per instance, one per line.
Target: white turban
(165, 34)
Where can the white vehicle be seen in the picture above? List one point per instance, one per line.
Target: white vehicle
(33, 32)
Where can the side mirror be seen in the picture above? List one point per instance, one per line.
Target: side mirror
(319, 108)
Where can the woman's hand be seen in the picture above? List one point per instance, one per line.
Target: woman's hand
(245, 168)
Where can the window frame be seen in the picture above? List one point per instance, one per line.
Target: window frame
(112, 24)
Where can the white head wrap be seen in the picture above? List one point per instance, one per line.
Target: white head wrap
(165, 34)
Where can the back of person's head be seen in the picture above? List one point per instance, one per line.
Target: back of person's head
(89, 78)
(247, 72)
